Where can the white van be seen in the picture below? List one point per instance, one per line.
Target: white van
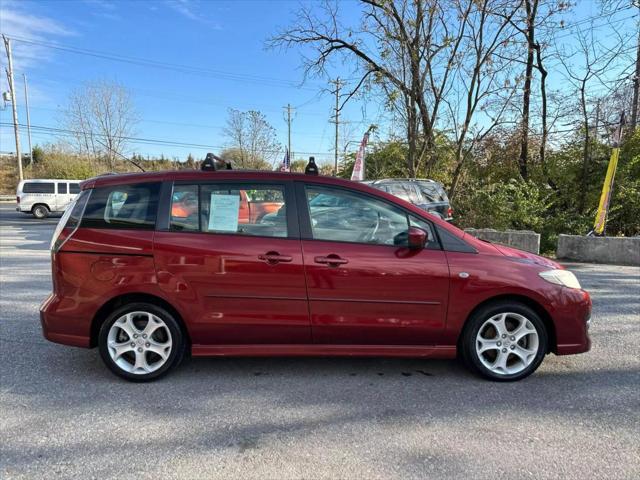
(43, 196)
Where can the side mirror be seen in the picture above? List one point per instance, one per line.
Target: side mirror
(417, 238)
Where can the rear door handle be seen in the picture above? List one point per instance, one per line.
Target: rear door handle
(274, 257)
(331, 260)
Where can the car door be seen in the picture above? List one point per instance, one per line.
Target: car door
(365, 286)
(241, 281)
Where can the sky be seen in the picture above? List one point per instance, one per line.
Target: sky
(223, 46)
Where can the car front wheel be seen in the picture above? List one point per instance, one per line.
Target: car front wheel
(504, 341)
(141, 342)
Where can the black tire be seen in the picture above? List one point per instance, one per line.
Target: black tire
(177, 339)
(40, 211)
(474, 324)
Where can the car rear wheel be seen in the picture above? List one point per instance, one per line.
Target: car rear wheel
(141, 342)
(504, 341)
(40, 211)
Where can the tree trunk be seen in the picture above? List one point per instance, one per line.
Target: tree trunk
(585, 150)
(545, 129)
(531, 8)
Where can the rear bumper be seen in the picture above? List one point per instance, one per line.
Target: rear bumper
(59, 327)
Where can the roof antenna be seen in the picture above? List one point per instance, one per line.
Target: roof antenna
(312, 168)
(127, 159)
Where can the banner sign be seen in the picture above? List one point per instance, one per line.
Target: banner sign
(358, 168)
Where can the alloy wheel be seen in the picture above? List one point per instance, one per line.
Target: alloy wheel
(507, 343)
(139, 342)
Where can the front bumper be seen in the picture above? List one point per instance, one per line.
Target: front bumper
(572, 320)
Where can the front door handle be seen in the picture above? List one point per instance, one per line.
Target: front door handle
(274, 257)
(331, 260)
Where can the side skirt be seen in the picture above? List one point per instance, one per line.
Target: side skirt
(436, 351)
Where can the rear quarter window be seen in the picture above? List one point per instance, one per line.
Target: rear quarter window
(39, 187)
(433, 192)
(123, 206)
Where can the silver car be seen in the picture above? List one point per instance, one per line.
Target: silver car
(429, 195)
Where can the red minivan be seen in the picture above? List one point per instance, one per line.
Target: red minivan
(339, 268)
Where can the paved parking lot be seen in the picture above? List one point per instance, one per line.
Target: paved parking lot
(62, 414)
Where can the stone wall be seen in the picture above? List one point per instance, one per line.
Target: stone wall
(522, 239)
(613, 250)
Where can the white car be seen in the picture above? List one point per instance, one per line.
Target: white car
(42, 196)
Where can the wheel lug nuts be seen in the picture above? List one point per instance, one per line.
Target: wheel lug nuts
(513, 347)
(504, 350)
(499, 343)
(135, 335)
(504, 335)
(133, 344)
(140, 349)
(513, 339)
(147, 345)
(144, 335)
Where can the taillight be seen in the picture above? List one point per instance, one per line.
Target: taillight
(449, 212)
(17, 199)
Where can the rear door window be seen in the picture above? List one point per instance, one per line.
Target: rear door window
(240, 209)
(246, 209)
(62, 188)
(39, 187)
(74, 188)
(123, 206)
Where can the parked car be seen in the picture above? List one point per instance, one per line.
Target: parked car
(429, 195)
(40, 197)
(340, 269)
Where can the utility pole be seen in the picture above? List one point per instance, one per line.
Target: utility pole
(636, 87)
(26, 102)
(336, 119)
(289, 109)
(12, 89)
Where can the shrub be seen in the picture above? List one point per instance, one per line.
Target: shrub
(59, 165)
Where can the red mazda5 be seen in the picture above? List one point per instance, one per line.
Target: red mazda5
(150, 266)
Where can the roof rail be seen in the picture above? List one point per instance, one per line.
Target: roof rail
(311, 168)
(212, 163)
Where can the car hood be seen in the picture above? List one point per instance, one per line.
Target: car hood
(527, 256)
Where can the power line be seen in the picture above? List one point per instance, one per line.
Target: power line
(172, 96)
(206, 72)
(594, 27)
(139, 140)
(183, 124)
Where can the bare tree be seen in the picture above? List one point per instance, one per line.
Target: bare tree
(252, 140)
(482, 81)
(414, 50)
(586, 64)
(101, 118)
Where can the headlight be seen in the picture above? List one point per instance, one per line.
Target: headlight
(561, 277)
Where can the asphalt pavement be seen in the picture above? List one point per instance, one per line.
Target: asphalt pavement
(64, 415)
